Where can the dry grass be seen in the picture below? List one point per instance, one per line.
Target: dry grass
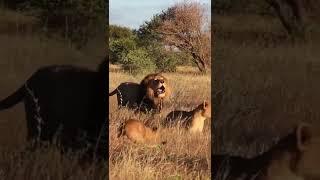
(183, 157)
(277, 79)
(21, 55)
(16, 23)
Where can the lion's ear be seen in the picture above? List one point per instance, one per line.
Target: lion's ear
(304, 135)
(205, 104)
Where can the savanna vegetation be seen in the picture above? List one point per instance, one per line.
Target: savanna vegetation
(266, 75)
(171, 44)
(185, 156)
(31, 38)
(165, 41)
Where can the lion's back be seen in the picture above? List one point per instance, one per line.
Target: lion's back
(175, 117)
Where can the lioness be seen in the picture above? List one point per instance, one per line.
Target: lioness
(295, 157)
(146, 96)
(193, 120)
(137, 132)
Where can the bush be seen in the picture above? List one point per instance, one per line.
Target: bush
(168, 62)
(119, 49)
(118, 32)
(138, 61)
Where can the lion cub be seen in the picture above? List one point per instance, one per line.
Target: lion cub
(137, 132)
(295, 157)
(192, 120)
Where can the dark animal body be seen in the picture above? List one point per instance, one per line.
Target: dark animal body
(132, 100)
(66, 102)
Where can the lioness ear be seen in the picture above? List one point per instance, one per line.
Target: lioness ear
(304, 135)
(205, 104)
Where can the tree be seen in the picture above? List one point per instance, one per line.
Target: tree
(151, 41)
(147, 34)
(188, 29)
(292, 16)
(118, 32)
(119, 48)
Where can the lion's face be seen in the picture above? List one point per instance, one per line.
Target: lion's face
(157, 86)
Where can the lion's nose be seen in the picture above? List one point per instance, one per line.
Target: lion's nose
(161, 81)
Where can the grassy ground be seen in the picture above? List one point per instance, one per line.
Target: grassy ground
(183, 157)
(22, 52)
(258, 68)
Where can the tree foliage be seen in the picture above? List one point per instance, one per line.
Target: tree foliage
(121, 41)
(188, 29)
(75, 21)
(119, 48)
(176, 36)
(139, 61)
(118, 32)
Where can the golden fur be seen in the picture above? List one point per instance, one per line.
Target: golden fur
(193, 120)
(146, 96)
(156, 89)
(295, 157)
(137, 132)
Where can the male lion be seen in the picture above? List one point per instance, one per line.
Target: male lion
(146, 96)
(294, 157)
(137, 132)
(193, 120)
(63, 101)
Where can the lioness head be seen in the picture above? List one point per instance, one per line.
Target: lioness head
(156, 86)
(308, 146)
(297, 157)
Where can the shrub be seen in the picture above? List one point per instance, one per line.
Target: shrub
(168, 62)
(138, 61)
(120, 48)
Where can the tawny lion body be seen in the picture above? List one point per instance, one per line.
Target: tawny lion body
(294, 157)
(146, 96)
(137, 132)
(193, 120)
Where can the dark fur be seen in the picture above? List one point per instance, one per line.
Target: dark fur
(133, 99)
(134, 96)
(71, 103)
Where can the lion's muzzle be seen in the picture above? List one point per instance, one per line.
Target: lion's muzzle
(161, 91)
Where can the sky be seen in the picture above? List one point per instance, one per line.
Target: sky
(132, 13)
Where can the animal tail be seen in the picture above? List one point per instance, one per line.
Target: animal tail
(113, 92)
(13, 99)
(121, 130)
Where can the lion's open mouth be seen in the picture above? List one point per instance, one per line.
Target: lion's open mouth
(160, 90)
